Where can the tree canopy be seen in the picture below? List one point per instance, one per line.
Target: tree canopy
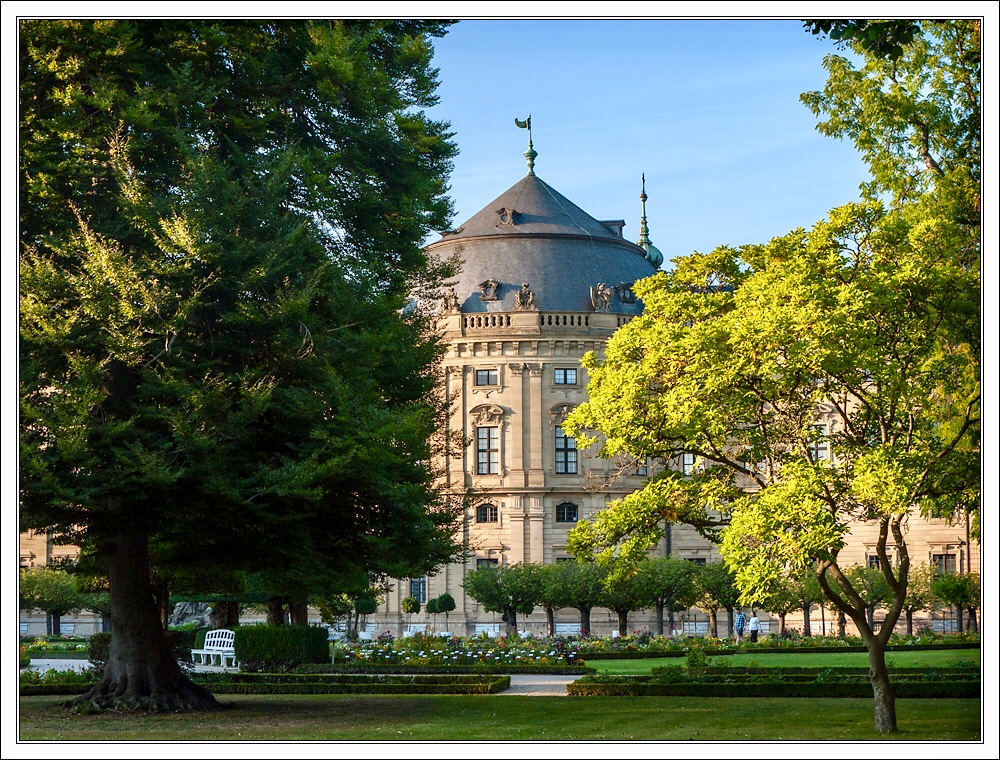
(221, 223)
(829, 376)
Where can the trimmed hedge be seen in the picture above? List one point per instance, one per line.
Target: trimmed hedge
(287, 683)
(709, 652)
(901, 690)
(180, 642)
(276, 648)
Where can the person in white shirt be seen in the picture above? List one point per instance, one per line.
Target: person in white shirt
(754, 626)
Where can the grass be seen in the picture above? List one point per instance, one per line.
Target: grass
(512, 718)
(919, 659)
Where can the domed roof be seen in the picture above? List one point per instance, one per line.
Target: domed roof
(532, 235)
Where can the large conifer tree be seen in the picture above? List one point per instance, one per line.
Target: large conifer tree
(221, 223)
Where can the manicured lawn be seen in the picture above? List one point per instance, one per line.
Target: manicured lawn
(921, 659)
(510, 718)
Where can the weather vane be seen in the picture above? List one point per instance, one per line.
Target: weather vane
(530, 153)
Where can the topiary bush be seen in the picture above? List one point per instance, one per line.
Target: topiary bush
(279, 648)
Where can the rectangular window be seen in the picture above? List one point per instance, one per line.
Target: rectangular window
(819, 449)
(945, 563)
(565, 453)
(487, 377)
(873, 561)
(565, 376)
(487, 451)
(642, 468)
(697, 560)
(687, 463)
(482, 562)
(418, 589)
(567, 513)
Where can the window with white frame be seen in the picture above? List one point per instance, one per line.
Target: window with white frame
(418, 589)
(565, 453)
(487, 377)
(487, 513)
(487, 450)
(567, 512)
(563, 376)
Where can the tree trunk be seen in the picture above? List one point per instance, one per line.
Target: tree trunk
(729, 619)
(972, 627)
(909, 622)
(713, 623)
(585, 621)
(958, 617)
(806, 625)
(885, 702)
(659, 619)
(161, 595)
(623, 622)
(275, 610)
(232, 614)
(781, 623)
(55, 624)
(550, 620)
(141, 673)
(842, 625)
(298, 612)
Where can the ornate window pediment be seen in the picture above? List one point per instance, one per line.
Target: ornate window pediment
(486, 414)
(560, 412)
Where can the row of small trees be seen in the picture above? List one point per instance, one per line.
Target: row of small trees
(56, 592)
(670, 584)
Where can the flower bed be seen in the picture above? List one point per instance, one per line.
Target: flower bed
(503, 654)
(644, 645)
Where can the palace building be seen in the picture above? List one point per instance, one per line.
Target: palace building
(542, 283)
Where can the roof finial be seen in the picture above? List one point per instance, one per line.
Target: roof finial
(653, 254)
(530, 153)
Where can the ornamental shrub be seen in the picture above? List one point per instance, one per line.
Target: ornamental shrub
(278, 648)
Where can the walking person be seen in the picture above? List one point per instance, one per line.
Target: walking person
(739, 624)
(754, 626)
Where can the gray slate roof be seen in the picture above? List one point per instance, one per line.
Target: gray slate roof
(553, 245)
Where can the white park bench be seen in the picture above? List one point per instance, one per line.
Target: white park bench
(218, 649)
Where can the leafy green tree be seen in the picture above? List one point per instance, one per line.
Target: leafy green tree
(872, 587)
(959, 591)
(510, 590)
(717, 590)
(220, 225)
(446, 604)
(623, 593)
(826, 376)
(884, 38)
(410, 606)
(781, 599)
(583, 584)
(808, 594)
(52, 591)
(551, 593)
(432, 609)
(669, 583)
(918, 592)
(915, 118)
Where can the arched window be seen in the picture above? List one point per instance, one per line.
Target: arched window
(567, 512)
(487, 513)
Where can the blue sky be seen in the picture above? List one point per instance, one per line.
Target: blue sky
(708, 109)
